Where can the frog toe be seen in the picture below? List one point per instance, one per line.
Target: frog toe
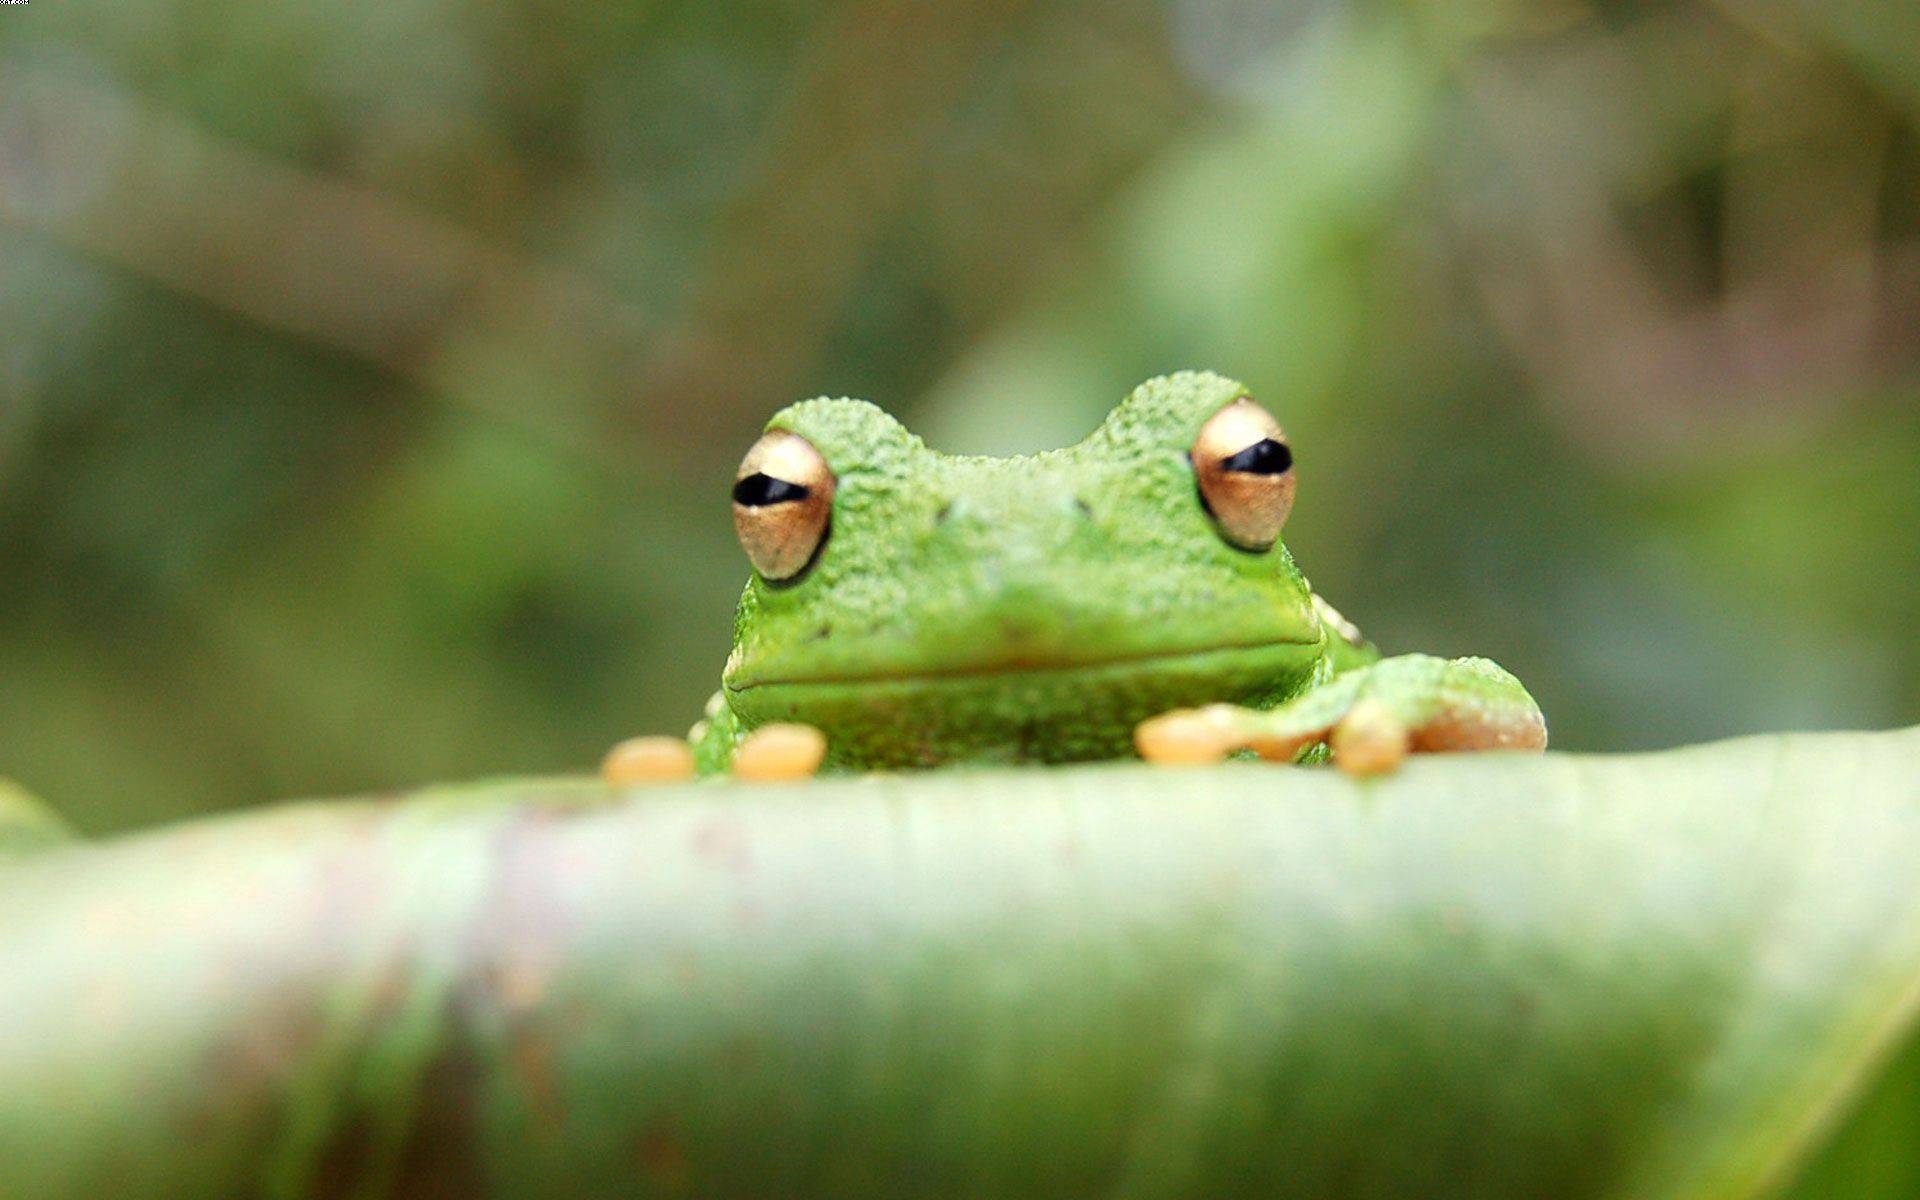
(780, 752)
(1185, 737)
(644, 760)
(1370, 740)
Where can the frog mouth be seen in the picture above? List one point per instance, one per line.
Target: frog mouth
(1194, 659)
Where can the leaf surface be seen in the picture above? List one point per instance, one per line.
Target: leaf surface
(1659, 976)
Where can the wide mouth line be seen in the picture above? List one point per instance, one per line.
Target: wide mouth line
(1012, 669)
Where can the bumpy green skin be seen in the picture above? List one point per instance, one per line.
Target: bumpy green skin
(1033, 609)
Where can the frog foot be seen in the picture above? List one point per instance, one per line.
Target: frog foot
(770, 754)
(1370, 717)
(1370, 740)
(643, 760)
(778, 752)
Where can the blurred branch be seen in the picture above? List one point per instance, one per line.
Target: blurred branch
(877, 84)
(313, 256)
(418, 296)
(1780, 300)
(1875, 39)
(1804, 178)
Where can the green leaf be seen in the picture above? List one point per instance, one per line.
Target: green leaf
(1659, 976)
(25, 823)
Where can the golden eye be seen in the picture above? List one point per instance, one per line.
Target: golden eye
(782, 501)
(1245, 471)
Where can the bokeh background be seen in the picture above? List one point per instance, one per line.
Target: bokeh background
(372, 374)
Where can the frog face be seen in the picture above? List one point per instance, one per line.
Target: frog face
(922, 607)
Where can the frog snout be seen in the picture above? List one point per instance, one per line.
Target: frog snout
(1034, 602)
(1010, 511)
(1010, 573)
(1014, 555)
(1010, 520)
(1019, 607)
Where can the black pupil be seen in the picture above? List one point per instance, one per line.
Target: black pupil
(1264, 457)
(758, 491)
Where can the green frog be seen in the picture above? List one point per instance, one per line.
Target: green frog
(1128, 595)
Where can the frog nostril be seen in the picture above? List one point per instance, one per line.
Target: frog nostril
(1083, 508)
(946, 510)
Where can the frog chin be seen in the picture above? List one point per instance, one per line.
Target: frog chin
(743, 677)
(1011, 711)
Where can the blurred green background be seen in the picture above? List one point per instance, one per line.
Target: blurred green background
(372, 374)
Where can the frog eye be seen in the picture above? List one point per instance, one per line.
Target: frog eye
(1245, 473)
(782, 502)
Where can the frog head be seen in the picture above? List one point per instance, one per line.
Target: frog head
(922, 608)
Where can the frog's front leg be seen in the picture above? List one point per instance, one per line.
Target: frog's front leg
(1370, 717)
